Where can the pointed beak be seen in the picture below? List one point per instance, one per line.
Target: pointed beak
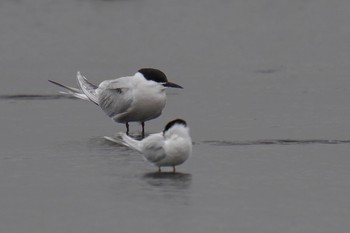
(172, 85)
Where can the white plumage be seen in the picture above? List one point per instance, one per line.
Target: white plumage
(169, 148)
(136, 98)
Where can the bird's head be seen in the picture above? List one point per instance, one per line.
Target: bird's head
(157, 76)
(174, 123)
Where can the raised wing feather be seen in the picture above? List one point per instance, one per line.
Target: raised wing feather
(88, 88)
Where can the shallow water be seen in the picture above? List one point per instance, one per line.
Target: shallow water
(266, 97)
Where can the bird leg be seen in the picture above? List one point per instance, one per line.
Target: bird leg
(127, 128)
(174, 169)
(159, 170)
(143, 129)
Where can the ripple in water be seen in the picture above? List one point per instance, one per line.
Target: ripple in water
(276, 142)
(34, 97)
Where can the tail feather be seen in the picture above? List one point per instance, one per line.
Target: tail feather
(130, 142)
(71, 91)
(76, 95)
(88, 88)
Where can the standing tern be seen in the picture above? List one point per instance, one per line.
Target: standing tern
(136, 98)
(169, 148)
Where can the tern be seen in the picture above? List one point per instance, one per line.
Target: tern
(137, 98)
(169, 148)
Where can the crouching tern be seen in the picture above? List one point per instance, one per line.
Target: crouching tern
(169, 148)
(137, 98)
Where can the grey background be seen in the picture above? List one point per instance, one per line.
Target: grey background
(266, 97)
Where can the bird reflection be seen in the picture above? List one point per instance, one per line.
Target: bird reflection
(178, 180)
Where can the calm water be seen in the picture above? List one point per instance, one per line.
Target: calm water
(266, 96)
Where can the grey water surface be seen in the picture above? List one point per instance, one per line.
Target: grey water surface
(266, 96)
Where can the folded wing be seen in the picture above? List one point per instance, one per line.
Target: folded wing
(115, 96)
(153, 148)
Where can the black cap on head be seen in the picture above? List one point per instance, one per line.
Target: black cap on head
(174, 122)
(157, 76)
(154, 75)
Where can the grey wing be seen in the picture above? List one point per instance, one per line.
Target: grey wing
(153, 148)
(115, 101)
